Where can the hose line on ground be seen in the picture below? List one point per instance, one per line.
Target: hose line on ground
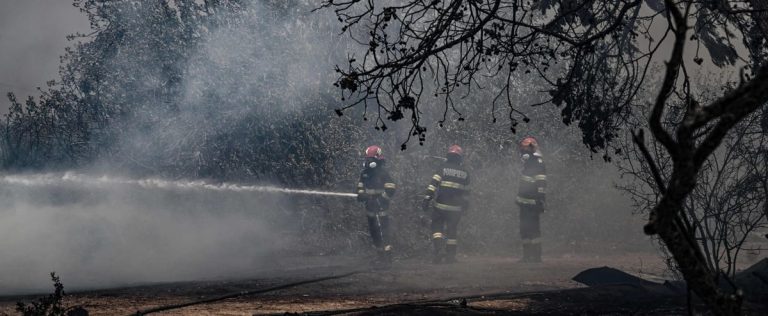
(241, 293)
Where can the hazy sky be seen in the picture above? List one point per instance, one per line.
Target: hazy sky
(32, 37)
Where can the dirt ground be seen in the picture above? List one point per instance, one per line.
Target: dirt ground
(487, 284)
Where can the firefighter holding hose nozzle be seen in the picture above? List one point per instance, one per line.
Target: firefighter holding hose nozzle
(375, 189)
(530, 198)
(447, 198)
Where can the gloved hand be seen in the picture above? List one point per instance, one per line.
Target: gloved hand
(425, 204)
(361, 197)
(541, 204)
(385, 195)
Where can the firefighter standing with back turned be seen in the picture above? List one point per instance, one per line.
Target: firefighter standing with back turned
(375, 189)
(447, 197)
(530, 198)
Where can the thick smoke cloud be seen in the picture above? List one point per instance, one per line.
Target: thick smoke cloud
(33, 35)
(120, 235)
(265, 63)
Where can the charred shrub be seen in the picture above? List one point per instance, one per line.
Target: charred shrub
(50, 305)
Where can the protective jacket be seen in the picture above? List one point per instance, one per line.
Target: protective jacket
(375, 188)
(533, 182)
(449, 187)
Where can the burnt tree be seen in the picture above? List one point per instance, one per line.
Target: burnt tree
(727, 205)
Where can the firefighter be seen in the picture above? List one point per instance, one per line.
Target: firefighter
(530, 198)
(447, 198)
(375, 189)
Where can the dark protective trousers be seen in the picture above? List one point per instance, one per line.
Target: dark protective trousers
(530, 232)
(445, 229)
(378, 225)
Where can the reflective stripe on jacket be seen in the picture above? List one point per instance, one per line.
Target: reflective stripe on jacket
(533, 181)
(376, 188)
(449, 187)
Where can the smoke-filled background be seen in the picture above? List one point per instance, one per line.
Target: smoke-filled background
(241, 92)
(34, 35)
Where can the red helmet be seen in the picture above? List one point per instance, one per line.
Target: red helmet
(373, 152)
(529, 144)
(456, 150)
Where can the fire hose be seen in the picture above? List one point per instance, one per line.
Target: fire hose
(243, 293)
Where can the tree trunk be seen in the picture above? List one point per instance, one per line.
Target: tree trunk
(697, 274)
(681, 243)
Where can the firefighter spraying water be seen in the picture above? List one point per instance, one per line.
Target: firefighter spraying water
(375, 189)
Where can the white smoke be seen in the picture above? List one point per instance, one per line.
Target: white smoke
(103, 231)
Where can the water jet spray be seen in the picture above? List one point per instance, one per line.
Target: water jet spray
(50, 179)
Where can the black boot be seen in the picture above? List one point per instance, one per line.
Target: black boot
(450, 251)
(438, 244)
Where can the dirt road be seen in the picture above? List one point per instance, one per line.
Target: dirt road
(405, 281)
